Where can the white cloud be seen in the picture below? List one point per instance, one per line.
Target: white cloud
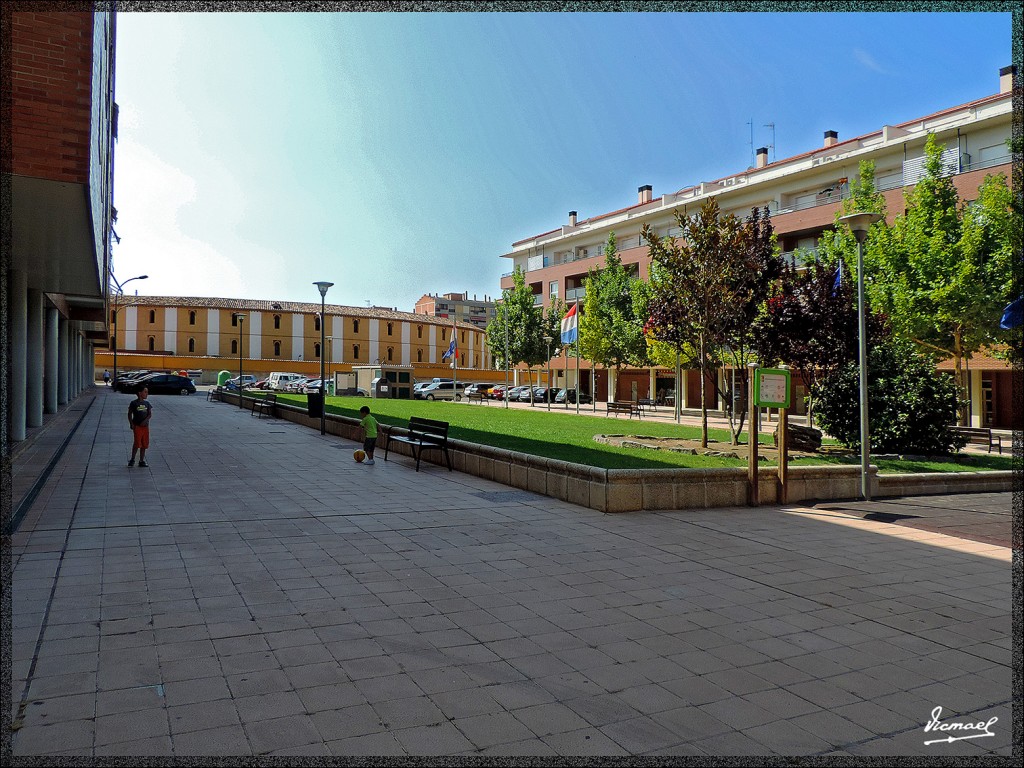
(154, 200)
(867, 60)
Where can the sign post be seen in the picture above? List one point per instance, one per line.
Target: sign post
(771, 390)
(752, 489)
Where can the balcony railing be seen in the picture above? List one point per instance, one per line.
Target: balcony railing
(575, 294)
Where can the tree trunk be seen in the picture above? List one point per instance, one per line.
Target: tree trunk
(703, 396)
(958, 364)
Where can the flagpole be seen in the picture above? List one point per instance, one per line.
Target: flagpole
(455, 364)
(578, 390)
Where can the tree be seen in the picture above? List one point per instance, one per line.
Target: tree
(810, 321)
(942, 271)
(692, 303)
(610, 330)
(910, 404)
(525, 323)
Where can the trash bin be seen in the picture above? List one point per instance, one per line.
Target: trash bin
(222, 378)
(315, 403)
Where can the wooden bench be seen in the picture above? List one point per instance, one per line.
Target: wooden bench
(215, 394)
(264, 405)
(423, 435)
(647, 403)
(617, 407)
(981, 436)
(477, 396)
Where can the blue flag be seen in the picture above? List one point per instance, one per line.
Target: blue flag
(1013, 314)
(453, 348)
(839, 278)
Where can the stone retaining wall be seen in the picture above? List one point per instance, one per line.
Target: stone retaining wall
(628, 490)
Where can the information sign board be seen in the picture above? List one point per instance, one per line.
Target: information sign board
(771, 388)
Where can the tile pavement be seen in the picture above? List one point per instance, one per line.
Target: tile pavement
(254, 592)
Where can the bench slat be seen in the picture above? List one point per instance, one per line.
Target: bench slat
(423, 434)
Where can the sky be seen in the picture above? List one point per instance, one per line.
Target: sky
(398, 154)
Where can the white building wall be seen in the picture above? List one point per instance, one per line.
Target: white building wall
(337, 339)
(374, 352)
(298, 342)
(131, 325)
(433, 344)
(255, 335)
(406, 357)
(171, 329)
(213, 332)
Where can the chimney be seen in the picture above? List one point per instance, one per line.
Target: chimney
(831, 138)
(1006, 75)
(572, 218)
(762, 157)
(643, 194)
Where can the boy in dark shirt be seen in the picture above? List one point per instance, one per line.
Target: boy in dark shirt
(139, 413)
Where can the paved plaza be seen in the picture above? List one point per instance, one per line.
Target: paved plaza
(256, 592)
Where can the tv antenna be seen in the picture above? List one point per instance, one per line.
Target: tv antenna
(750, 122)
(772, 145)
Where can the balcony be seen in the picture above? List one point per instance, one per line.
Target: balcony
(575, 294)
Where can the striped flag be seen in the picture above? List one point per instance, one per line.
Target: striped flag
(570, 326)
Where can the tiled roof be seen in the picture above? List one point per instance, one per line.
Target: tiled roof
(980, 361)
(270, 306)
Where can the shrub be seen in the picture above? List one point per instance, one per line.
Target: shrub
(910, 404)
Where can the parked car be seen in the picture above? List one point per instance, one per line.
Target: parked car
(513, 394)
(162, 384)
(478, 389)
(544, 394)
(497, 392)
(295, 385)
(314, 386)
(127, 378)
(570, 396)
(353, 392)
(261, 384)
(279, 380)
(442, 390)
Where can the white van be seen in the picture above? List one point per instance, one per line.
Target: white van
(278, 380)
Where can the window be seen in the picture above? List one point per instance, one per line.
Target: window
(463, 337)
(443, 332)
(152, 316)
(277, 322)
(553, 289)
(191, 345)
(192, 318)
(419, 331)
(391, 354)
(355, 326)
(152, 343)
(234, 346)
(234, 319)
(277, 349)
(355, 350)
(316, 349)
(391, 328)
(419, 355)
(113, 342)
(316, 322)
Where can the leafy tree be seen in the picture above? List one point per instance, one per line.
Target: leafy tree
(910, 404)
(526, 325)
(692, 303)
(942, 271)
(610, 330)
(810, 321)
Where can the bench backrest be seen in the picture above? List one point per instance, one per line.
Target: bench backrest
(429, 428)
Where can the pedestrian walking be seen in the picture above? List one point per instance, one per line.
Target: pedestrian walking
(369, 426)
(106, 378)
(140, 411)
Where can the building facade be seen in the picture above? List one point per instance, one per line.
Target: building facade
(802, 194)
(458, 307)
(62, 130)
(178, 332)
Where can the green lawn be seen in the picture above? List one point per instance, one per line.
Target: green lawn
(571, 438)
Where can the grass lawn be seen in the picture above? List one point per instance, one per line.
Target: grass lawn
(571, 438)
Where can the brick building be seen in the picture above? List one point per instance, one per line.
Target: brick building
(59, 171)
(802, 193)
(458, 307)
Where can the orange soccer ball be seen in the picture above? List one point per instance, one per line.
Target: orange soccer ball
(359, 456)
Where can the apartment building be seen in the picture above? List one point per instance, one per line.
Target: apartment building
(802, 193)
(459, 307)
(182, 332)
(60, 175)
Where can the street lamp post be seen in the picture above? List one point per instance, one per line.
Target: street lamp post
(240, 319)
(859, 224)
(120, 291)
(547, 394)
(323, 286)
